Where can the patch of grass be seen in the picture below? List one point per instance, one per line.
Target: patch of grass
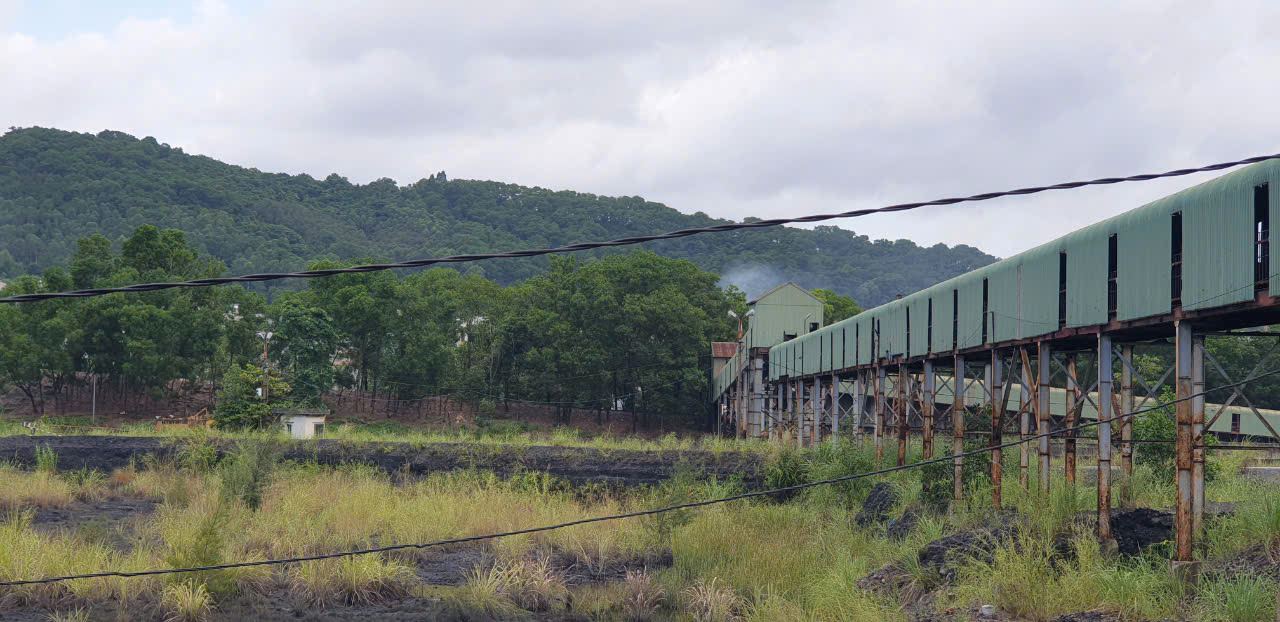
(40, 489)
(1244, 599)
(707, 600)
(354, 580)
(46, 459)
(186, 601)
(247, 470)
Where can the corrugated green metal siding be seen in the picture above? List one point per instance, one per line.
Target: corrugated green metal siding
(941, 295)
(970, 324)
(863, 338)
(1143, 240)
(893, 329)
(1039, 297)
(919, 305)
(1217, 246)
(781, 312)
(1218, 252)
(1003, 300)
(1087, 275)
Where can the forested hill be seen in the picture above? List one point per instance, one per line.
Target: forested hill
(57, 186)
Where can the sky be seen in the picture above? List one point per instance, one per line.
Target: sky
(734, 109)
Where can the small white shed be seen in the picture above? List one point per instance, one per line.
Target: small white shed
(302, 423)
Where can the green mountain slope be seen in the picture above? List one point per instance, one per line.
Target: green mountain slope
(58, 186)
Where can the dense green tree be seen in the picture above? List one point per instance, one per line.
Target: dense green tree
(836, 307)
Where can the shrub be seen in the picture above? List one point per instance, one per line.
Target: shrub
(246, 472)
(785, 468)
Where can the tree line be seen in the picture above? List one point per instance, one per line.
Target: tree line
(627, 331)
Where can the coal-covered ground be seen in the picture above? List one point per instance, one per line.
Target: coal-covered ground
(578, 465)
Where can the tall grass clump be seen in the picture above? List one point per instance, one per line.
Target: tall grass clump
(46, 459)
(247, 470)
(39, 489)
(351, 580)
(1243, 599)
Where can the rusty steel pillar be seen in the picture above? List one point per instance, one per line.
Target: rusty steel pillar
(1104, 438)
(1044, 419)
(1126, 410)
(930, 397)
(1024, 420)
(819, 407)
(879, 412)
(859, 391)
(755, 403)
(957, 425)
(1197, 435)
(1184, 536)
(900, 409)
(996, 400)
(1070, 420)
(776, 412)
(835, 407)
(794, 414)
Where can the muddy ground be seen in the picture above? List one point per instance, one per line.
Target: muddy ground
(578, 465)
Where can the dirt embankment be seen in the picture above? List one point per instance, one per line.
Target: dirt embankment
(579, 465)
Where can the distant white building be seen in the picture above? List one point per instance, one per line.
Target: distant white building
(302, 423)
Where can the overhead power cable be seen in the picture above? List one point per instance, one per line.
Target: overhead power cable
(627, 241)
(609, 517)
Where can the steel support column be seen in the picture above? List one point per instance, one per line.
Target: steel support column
(1044, 421)
(1104, 438)
(755, 407)
(1126, 410)
(900, 408)
(1197, 436)
(930, 397)
(1024, 419)
(879, 412)
(996, 400)
(1069, 422)
(957, 425)
(1184, 537)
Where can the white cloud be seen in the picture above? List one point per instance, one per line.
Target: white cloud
(735, 110)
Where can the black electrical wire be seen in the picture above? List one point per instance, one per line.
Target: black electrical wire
(609, 517)
(582, 246)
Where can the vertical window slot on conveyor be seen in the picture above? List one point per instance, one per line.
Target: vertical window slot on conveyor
(1261, 237)
(984, 311)
(955, 319)
(929, 338)
(1062, 290)
(1112, 271)
(1175, 258)
(857, 343)
(907, 351)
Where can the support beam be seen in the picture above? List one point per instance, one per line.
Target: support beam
(957, 425)
(755, 407)
(1126, 411)
(900, 407)
(1070, 421)
(1197, 436)
(930, 398)
(1044, 420)
(996, 399)
(836, 409)
(793, 422)
(1024, 419)
(1104, 438)
(879, 412)
(1184, 537)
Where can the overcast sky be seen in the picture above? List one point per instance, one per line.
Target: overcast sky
(734, 109)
